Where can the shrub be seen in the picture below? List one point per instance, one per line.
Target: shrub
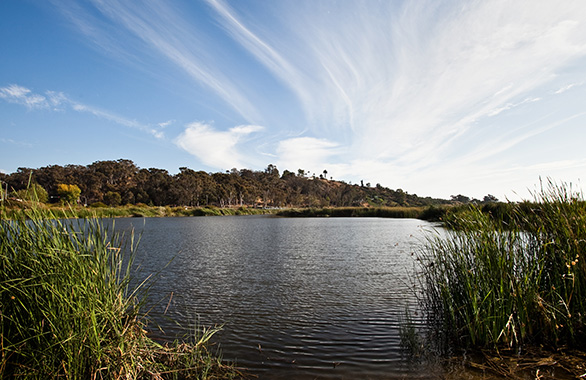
(68, 193)
(34, 192)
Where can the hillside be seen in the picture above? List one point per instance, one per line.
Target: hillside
(122, 182)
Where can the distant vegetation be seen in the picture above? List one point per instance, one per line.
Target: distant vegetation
(381, 212)
(121, 182)
(14, 209)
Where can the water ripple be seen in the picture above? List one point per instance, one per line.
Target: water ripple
(299, 298)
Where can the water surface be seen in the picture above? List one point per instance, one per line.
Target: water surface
(299, 298)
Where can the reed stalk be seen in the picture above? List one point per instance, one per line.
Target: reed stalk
(514, 280)
(67, 309)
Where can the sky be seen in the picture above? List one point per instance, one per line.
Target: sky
(437, 98)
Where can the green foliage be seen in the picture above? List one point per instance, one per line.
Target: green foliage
(113, 198)
(68, 193)
(33, 193)
(434, 213)
(511, 280)
(67, 310)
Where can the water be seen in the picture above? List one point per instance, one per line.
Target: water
(299, 298)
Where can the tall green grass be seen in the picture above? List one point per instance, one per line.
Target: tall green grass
(514, 280)
(67, 309)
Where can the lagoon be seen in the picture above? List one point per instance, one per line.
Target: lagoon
(299, 298)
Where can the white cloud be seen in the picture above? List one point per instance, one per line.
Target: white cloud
(307, 153)
(58, 101)
(166, 124)
(403, 86)
(509, 106)
(405, 89)
(424, 72)
(22, 95)
(217, 149)
(567, 87)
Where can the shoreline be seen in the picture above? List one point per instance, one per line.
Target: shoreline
(18, 210)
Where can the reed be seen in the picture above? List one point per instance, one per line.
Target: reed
(511, 280)
(381, 212)
(67, 309)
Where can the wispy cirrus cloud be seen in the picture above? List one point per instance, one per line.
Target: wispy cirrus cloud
(217, 149)
(21, 95)
(17, 143)
(567, 87)
(106, 115)
(160, 29)
(411, 76)
(389, 88)
(58, 101)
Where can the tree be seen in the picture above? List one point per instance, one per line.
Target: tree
(460, 198)
(50, 176)
(490, 199)
(286, 174)
(117, 176)
(401, 197)
(188, 185)
(68, 193)
(112, 198)
(157, 186)
(272, 170)
(20, 179)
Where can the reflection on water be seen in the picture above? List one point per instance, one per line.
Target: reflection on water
(299, 298)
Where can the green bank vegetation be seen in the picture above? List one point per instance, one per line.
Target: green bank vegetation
(510, 277)
(67, 309)
(15, 209)
(381, 212)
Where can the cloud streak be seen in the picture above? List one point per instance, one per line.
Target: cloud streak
(389, 88)
(58, 101)
(409, 83)
(159, 29)
(21, 95)
(417, 75)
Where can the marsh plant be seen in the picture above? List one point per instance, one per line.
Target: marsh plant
(378, 212)
(67, 309)
(493, 281)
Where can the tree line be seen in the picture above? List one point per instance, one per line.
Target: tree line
(120, 182)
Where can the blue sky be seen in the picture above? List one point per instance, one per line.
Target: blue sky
(435, 97)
